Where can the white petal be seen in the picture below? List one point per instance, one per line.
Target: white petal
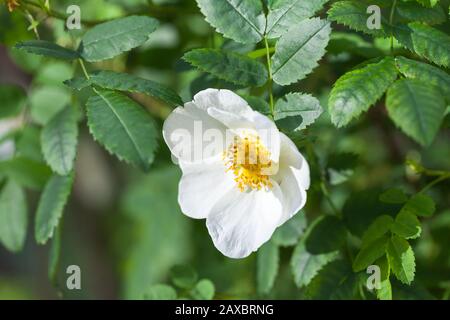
(202, 186)
(294, 196)
(242, 221)
(291, 157)
(293, 177)
(235, 113)
(183, 132)
(251, 122)
(225, 100)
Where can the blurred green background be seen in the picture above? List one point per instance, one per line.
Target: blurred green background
(124, 228)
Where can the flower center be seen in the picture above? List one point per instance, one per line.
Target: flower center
(249, 160)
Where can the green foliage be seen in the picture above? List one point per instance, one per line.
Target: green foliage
(370, 251)
(183, 276)
(160, 292)
(203, 290)
(59, 141)
(122, 127)
(26, 172)
(109, 39)
(297, 52)
(379, 227)
(126, 82)
(335, 282)
(283, 14)
(357, 90)
(289, 233)
(13, 100)
(365, 202)
(49, 49)
(51, 205)
(302, 109)
(54, 257)
(385, 290)
(242, 21)
(46, 102)
(424, 72)
(228, 66)
(406, 225)
(263, 49)
(415, 12)
(420, 205)
(13, 216)
(394, 196)
(425, 41)
(401, 259)
(310, 256)
(353, 14)
(417, 108)
(154, 234)
(267, 267)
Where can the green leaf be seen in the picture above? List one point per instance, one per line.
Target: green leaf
(160, 292)
(426, 73)
(242, 21)
(416, 12)
(46, 48)
(305, 262)
(394, 196)
(59, 141)
(203, 290)
(112, 38)
(228, 66)
(401, 259)
(123, 127)
(369, 253)
(258, 104)
(340, 167)
(359, 89)
(283, 14)
(297, 52)
(353, 14)
(51, 205)
(54, 257)
(26, 172)
(126, 82)
(327, 234)
(385, 290)
(13, 216)
(298, 104)
(335, 282)
(427, 42)
(417, 108)
(289, 233)
(362, 208)
(420, 205)
(13, 100)
(377, 229)
(46, 102)
(183, 276)
(407, 225)
(267, 267)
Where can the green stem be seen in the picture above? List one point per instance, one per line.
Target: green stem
(436, 181)
(391, 20)
(86, 74)
(270, 81)
(260, 53)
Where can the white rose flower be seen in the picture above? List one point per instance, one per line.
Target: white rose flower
(244, 187)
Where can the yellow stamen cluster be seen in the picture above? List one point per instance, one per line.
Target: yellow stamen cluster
(249, 160)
